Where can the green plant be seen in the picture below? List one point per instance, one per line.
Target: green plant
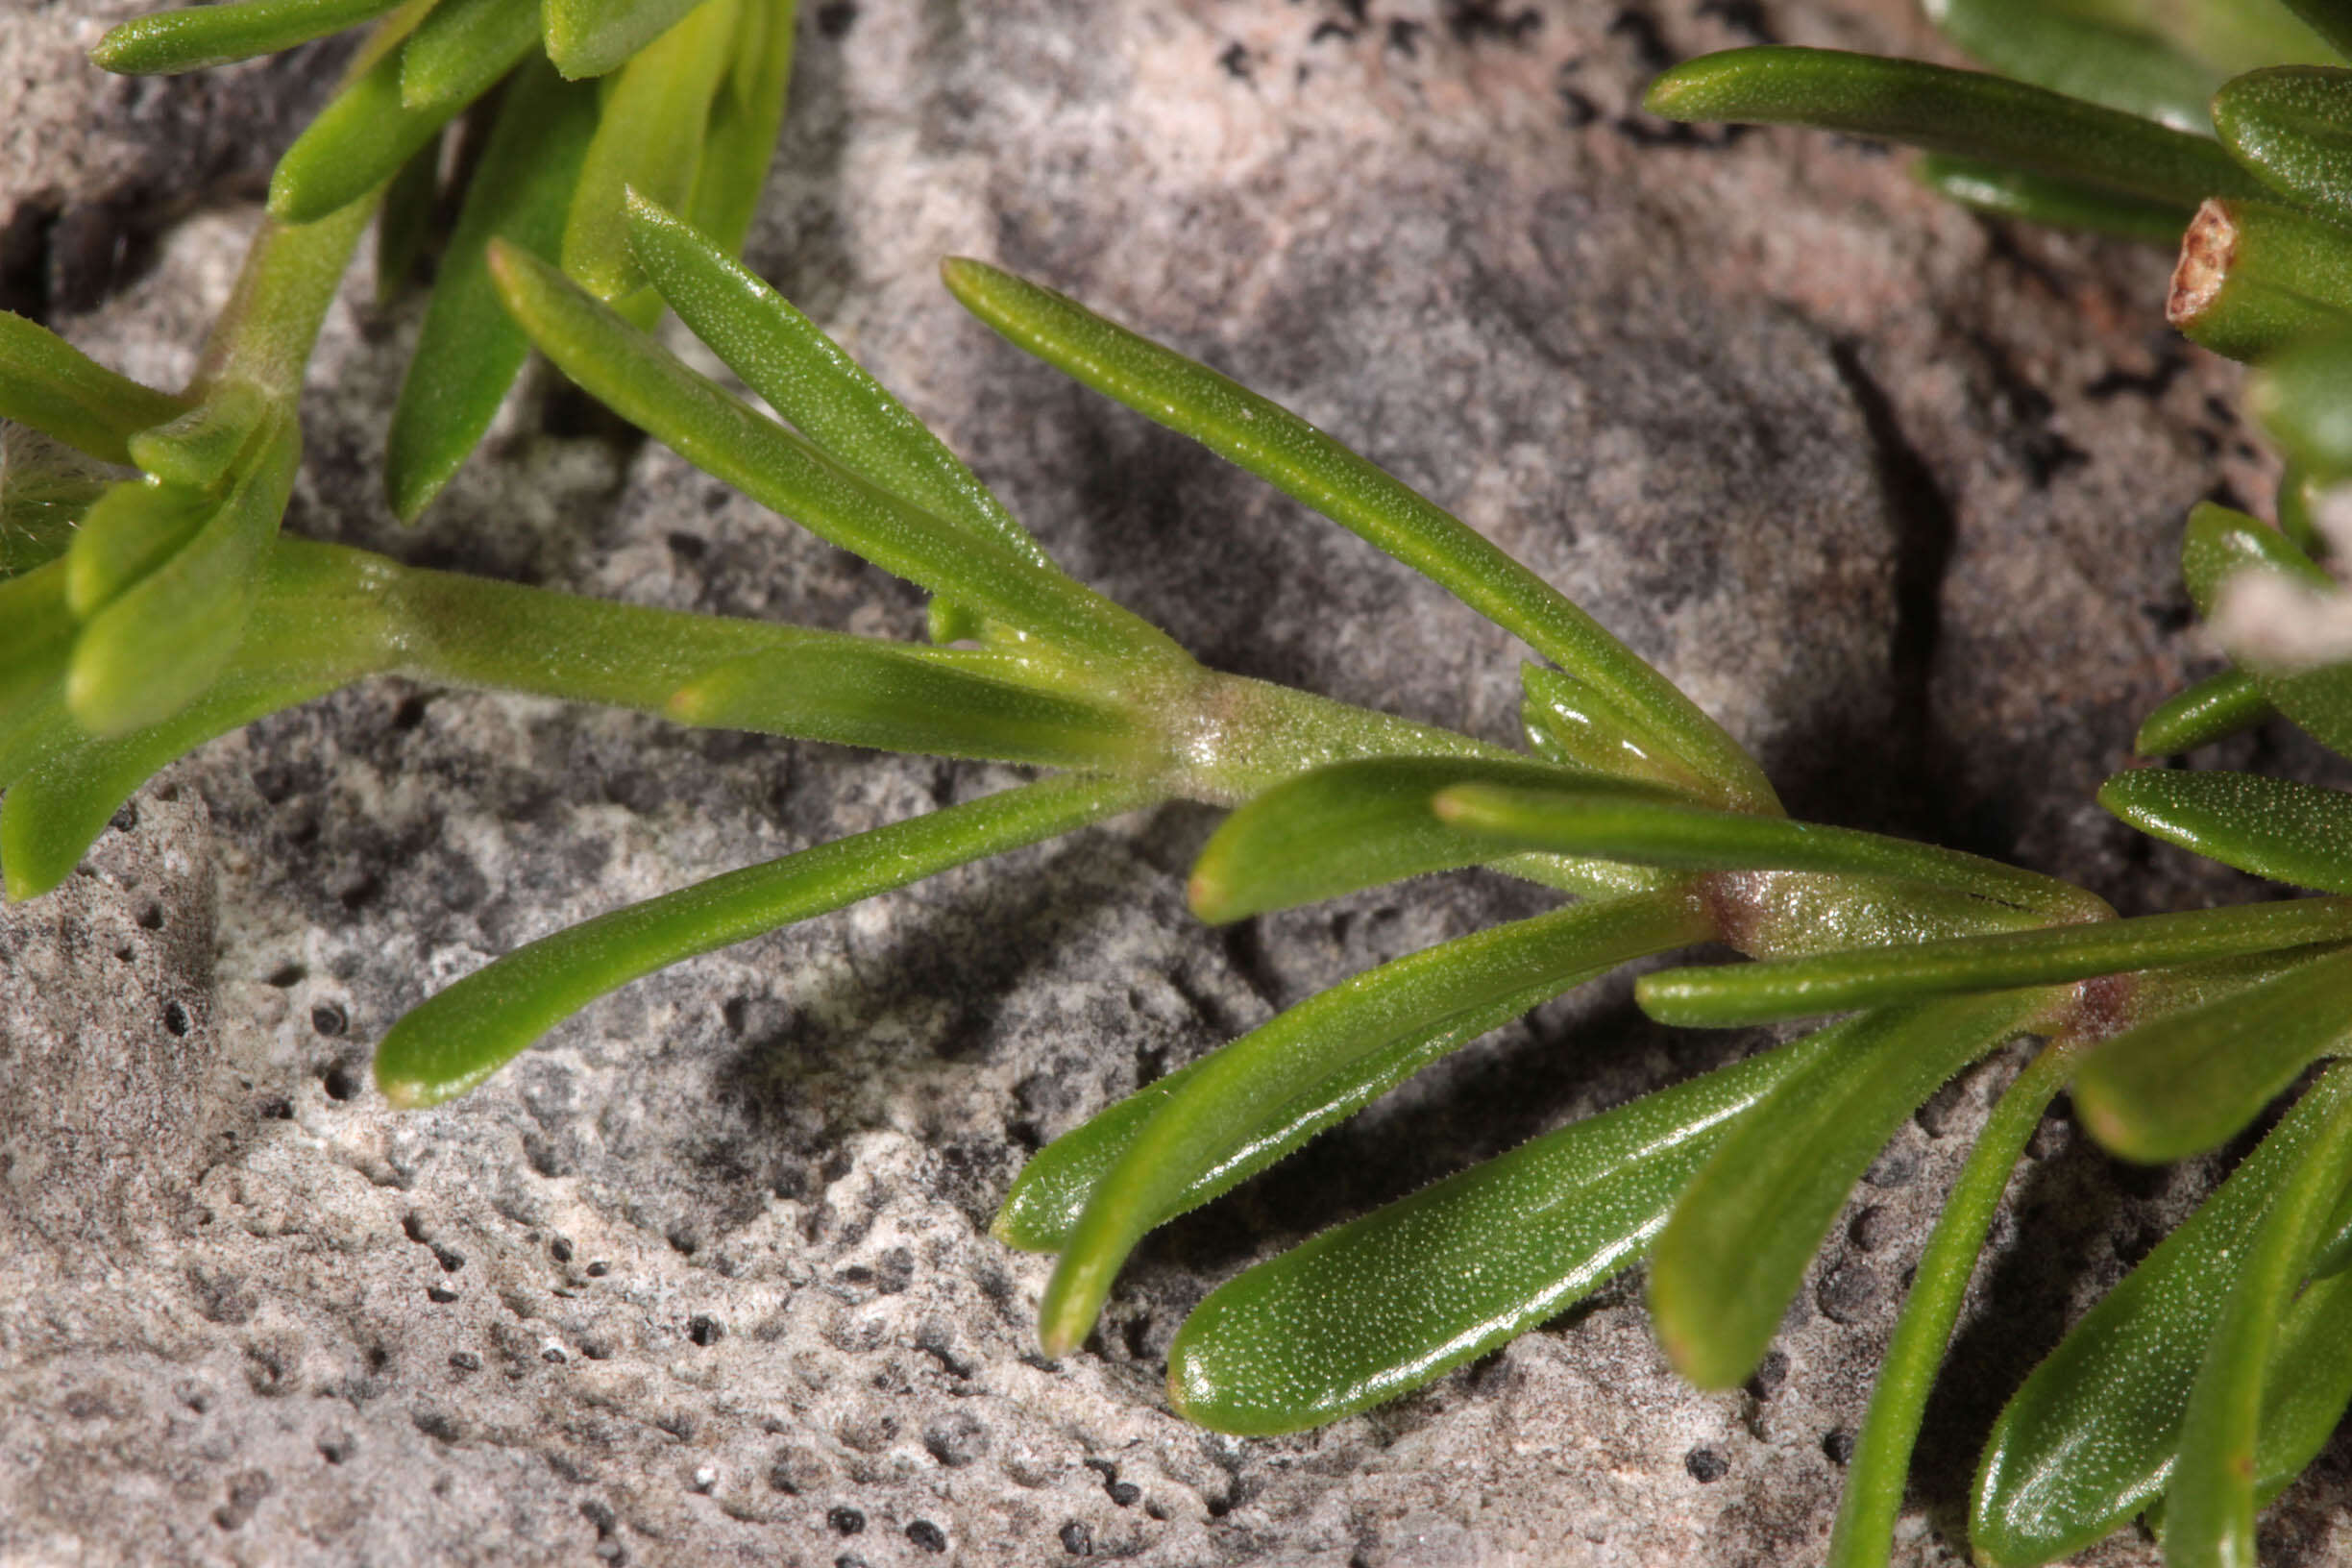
(1632, 798)
(164, 571)
(2204, 1382)
(2174, 1030)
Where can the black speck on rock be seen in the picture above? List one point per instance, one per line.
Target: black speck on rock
(1077, 1540)
(846, 1520)
(705, 1330)
(927, 1536)
(1705, 1465)
(1845, 1292)
(1838, 1445)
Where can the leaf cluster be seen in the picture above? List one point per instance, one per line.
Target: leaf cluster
(2206, 1381)
(153, 612)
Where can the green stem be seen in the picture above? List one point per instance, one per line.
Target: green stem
(1865, 1530)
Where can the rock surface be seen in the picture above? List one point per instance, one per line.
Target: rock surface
(707, 1277)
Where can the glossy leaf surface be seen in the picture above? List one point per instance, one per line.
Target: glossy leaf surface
(1230, 1101)
(739, 141)
(809, 382)
(1576, 818)
(157, 644)
(1053, 1189)
(2209, 1504)
(2214, 709)
(1382, 1304)
(462, 1035)
(650, 140)
(2089, 1439)
(2275, 827)
(54, 387)
(1748, 1225)
(1279, 447)
(725, 438)
(2061, 203)
(469, 349)
(445, 63)
(2182, 1083)
(933, 701)
(1573, 725)
(588, 38)
(2293, 126)
(1942, 111)
(362, 137)
(198, 37)
(1351, 825)
(1837, 982)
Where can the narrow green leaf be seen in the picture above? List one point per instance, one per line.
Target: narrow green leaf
(56, 809)
(1732, 994)
(2310, 1384)
(469, 1031)
(935, 701)
(1229, 1102)
(2122, 68)
(2089, 1439)
(161, 641)
(1574, 819)
(137, 527)
(36, 629)
(361, 139)
(2061, 203)
(170, 42)
(261, 341)
(404, 224)
(1735, 1250)
(806, 379)
(2256, 277)
(1382, 1304)
(721, 435)
(54, 387)
(2182, 1083)
(2274, 827)
(2303, 396)
(588, 38)
(197, 450)
(2292, 125)
(1943, 110)
(445, 63)
(2219, 543)
(650, 140)
(2212, 710)
(470, 350)
(311, 630)
(2209, 1504)
(1864, 1535)
(1573, 725)
(1350, 826)
(741, 140)
(1054, 1188)
(1302, 461)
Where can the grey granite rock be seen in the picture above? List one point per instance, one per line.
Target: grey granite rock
(707, 1277)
